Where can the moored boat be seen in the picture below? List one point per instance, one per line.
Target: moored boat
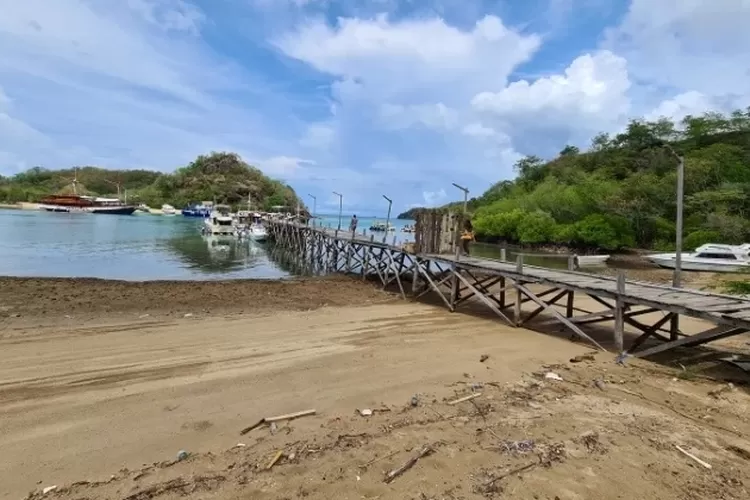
(198, 210)
(257, 233)
(219, 223)
(709, 257)
(168, 210)
(381, 227)
(591, 260)
(72, 203)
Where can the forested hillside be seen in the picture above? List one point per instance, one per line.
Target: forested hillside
(622, 192)
(223, 177)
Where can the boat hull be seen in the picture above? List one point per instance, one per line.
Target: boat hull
(668, 262)
(592, 260)
(90, 210)
(113, 210)
(258, 234)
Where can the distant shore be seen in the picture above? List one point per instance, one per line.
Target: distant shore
(19, 206)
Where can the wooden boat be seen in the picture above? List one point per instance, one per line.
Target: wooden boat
(71, 203)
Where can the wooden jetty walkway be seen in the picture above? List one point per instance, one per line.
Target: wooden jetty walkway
(458, 279)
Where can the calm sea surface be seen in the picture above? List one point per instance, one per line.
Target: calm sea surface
(135, 247)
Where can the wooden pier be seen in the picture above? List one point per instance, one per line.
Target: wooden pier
(504, 287)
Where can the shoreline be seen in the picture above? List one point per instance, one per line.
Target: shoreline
(43, 300)
(21, 205)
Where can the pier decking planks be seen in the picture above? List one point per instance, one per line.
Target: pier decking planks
(457, 279)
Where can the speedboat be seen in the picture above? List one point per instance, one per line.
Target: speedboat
(709, 257)
(382, 227)
(201, 210)
(168, 210)
(257, 232)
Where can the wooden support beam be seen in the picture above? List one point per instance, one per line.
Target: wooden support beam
(720, 332)
(648, 332)
(619, 310)
(555, 313)
(518, 284)
(483, 298)
(434, 287)
(548, 303)
(502, 293)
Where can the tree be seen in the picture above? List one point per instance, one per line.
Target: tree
(622, 191)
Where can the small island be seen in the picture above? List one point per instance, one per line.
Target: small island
(410, 214)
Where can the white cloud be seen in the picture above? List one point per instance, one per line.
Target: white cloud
(399, 82)
(319, 136)
(688, 45)
(170, 15)
(127, 84)
(396, 58)
(478, 130)
(283, 167)
(593, 88)
(434, 116)
(432, 198)
(688, 103)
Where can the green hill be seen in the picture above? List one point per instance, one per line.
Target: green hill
(223, 177)
(410, 214)
(622, 192)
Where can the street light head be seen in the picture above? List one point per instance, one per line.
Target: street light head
(465, 190)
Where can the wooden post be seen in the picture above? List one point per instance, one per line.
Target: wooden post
(503, 256)
(619, 310)
(454, 288)
(415, 275)
(571, 293)
(517, 309)
(502, 292)
(394, 241)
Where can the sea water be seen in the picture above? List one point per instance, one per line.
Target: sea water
(139, 247)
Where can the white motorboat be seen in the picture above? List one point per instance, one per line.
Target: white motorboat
(257, 232)
(381, 227)
(709, 257)
(168, 210)
(219, 222)
(591, 260)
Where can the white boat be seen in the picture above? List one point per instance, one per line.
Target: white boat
(381, 227)
(219, 223)
(709, 257)
(168, 210)
(591, 260)
(257, 232)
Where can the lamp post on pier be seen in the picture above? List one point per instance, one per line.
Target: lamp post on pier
(388, 217)
(458, 229)
(466, 195)
(341, 206)
(315, 206)
(674, 326)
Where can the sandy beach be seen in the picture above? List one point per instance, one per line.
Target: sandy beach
(103, 383)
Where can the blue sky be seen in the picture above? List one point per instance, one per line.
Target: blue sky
(363, 97)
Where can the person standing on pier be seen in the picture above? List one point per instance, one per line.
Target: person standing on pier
(467, 236)
(353, 224)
